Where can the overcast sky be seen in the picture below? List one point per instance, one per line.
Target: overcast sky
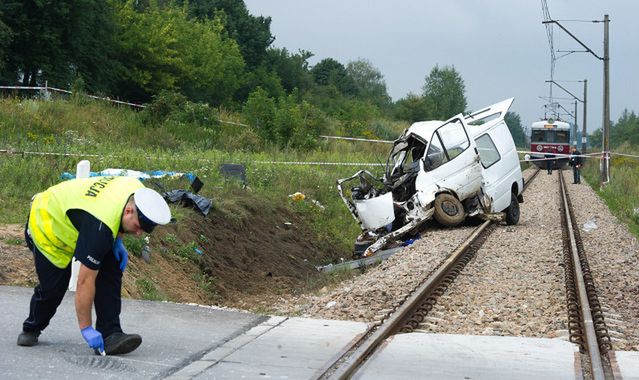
(499, 47)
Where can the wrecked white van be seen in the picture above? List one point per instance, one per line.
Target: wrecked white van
(450, 170)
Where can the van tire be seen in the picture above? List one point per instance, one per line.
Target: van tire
(512, 211)
(448, 210)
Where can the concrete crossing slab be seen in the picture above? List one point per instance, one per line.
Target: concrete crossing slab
(445, 356)
(627, 364)
(173, 335)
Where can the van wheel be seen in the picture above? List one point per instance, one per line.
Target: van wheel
(512, 211)
(448, 210)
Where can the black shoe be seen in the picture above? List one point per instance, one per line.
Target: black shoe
(120, 343)
(28, 338)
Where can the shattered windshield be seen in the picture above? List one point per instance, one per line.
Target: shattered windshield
(405, 155)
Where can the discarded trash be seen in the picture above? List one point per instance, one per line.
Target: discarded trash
(331, 304)
(359, 263)
(590, 225)
(316, 203)
(297, 196)
(189, 199)
(196, 183)
(234, 171)
(408, 242)
(197, 250)
(146, 250)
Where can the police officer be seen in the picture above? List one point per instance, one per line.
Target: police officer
(85, 218)
(550, 160)
(575, 161)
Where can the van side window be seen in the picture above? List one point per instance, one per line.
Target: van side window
(488, 153)
(454, 138)
(435, 156)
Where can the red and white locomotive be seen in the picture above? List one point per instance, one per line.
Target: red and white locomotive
(550, 138)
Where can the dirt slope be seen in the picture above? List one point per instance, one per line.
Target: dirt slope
(226, 258)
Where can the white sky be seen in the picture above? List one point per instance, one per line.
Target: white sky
(499, 47)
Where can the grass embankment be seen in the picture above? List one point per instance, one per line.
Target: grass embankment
(621, 194)
(122, 138)
(119, 138)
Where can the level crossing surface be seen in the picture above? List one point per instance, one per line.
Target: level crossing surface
(183, 341)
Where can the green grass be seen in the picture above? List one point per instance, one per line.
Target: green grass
(149, 291)
(120, 139)
(13, 241)
(621, 194)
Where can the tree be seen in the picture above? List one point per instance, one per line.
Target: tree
(259, 111)
(444, 89)
(412, 108)
(211, 66)
(329, 72)
(163, 50)
(59, 41)
(595, 139)
(5, 39)
(291, 68)
(369, 82)
(253, 34)
(514, 126)
(626, 129)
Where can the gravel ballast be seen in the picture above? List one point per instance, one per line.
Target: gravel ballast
(515, 284)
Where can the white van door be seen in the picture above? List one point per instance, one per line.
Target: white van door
(501, 165)
(451, 161)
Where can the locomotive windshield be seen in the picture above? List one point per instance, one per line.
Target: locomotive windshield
(562, 137)
(538, 135)
(550, 136)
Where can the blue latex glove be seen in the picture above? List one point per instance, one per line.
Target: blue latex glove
(120, 253)
(93, 338)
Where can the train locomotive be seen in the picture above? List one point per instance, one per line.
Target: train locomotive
(550, 138)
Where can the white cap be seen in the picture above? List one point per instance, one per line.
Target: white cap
(152, 208)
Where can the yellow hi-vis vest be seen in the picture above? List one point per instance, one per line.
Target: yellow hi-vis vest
(103, 197)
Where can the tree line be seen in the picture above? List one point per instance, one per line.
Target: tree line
(211, 53)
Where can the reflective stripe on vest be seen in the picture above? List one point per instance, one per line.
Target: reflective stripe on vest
(103, 197)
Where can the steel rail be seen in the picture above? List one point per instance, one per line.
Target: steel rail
(588, 325)
(352, 357)
(396, 321)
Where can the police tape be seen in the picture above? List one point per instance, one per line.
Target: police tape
(540, 156)
(319, 163)
(23, 153)
(529, 159)
(357, 139)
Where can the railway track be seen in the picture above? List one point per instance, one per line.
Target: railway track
(586, 320)
(586, 323)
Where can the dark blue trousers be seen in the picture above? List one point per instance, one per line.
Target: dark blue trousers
(48, 294)
(575, 174)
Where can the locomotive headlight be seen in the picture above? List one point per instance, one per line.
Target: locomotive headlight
(527, 157)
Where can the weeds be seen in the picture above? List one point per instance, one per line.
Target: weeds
(14, 241)
(148, 290)
(135, 244)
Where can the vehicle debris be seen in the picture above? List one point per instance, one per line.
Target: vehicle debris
(466, 166)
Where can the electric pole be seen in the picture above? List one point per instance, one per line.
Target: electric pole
(584, 133)
(574, 141)
(605, 159)
(605, 170)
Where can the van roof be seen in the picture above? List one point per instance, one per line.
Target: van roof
(480, 120)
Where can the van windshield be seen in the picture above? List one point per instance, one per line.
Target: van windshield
(404, 157)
